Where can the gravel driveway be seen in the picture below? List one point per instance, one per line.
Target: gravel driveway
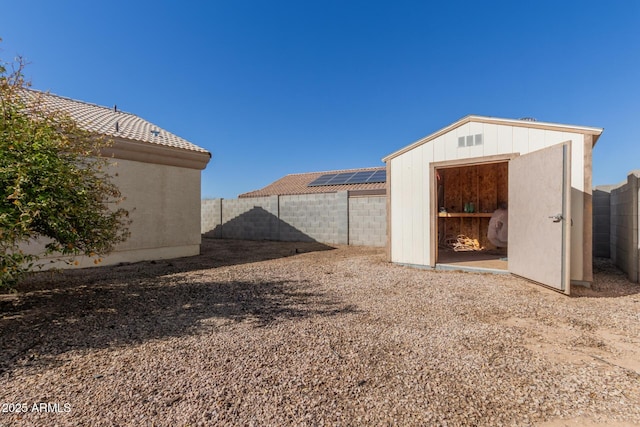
(272, 333)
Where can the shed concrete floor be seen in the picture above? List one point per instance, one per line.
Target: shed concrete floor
(473, 259)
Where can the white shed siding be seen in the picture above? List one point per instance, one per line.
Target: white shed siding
(520, 141)
(456, 152)
(416, 200)
(410, 182)
(491, 139)
(439, 146)
(420, 215)
(450, 141)
(499, 139)
(536, 139)
(395, 195)
(475, 129)
(505, 135)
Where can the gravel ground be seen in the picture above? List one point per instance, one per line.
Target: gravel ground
(272, 333)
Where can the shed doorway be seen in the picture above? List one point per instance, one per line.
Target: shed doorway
(468, 195)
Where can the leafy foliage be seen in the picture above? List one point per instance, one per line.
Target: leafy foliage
(53, 182)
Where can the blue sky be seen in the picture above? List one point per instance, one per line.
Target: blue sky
(277, 87)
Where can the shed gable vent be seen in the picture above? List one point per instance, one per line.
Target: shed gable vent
(470, 140)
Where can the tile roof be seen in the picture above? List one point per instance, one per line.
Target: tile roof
(112, 122)
(298, 184)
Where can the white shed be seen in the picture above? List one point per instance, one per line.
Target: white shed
(449, 183)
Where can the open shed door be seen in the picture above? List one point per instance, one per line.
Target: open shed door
(540, 217)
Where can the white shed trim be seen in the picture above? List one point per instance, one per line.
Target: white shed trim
(587, 130)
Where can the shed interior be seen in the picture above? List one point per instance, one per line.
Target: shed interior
(467, 197)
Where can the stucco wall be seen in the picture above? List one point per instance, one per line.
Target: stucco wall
(332, 218)
(164, 206)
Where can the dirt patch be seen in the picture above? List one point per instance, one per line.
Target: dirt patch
(273, 333)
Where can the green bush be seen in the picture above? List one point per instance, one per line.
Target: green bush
(53, 182)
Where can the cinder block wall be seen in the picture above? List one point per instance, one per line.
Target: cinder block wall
(320, 217)
(368, 221)
(251, 219)
(331, 218)
(602, 221)
(624, 226)
(211, 216)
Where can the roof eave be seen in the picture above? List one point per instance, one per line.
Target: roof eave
(127, 149)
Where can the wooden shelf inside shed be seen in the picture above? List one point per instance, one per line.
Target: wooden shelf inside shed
(484, 185)
(464, 215)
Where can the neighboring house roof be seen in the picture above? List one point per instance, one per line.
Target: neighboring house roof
(528, 123)
(299, 184)
(113, 122)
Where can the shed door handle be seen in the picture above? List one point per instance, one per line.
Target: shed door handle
(557, 217)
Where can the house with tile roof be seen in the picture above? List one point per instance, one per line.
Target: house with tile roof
(364, 181)
(158, 173)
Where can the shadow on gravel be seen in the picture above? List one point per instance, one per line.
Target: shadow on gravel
(214, 253)
(44, 324)
(608, 282)
(114, 306)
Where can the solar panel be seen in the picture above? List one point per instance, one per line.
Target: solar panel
(322, 180)
(359, 177)
(378, 176)
(340, 178)
(362, 177)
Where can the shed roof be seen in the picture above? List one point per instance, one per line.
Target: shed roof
(528, 123)
(113, 122)
(298, 183)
